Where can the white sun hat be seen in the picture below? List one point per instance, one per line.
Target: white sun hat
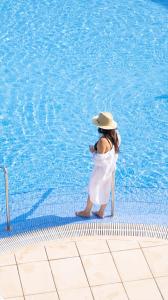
(104, 120)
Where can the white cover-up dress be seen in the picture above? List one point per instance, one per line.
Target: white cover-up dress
(100, 183)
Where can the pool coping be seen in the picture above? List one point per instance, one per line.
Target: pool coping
(11, 242)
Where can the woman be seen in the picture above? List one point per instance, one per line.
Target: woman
(105, 154)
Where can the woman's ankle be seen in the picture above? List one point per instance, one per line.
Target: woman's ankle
(101, 212)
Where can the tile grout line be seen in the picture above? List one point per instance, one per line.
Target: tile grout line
(41, 260)
(124, 250)
(19, 276)
(36, 294)
(151, 271)
(84, 271)
(162, 276)
(14, 264)
(51, 272)
(125, 281)
(134, 280)
(117, 270)
(152, 246)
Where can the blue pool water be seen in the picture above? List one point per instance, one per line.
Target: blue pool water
(61, 62)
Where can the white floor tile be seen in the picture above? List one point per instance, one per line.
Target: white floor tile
(142, 290)
(56, 250)
(157, 258)
(68, 273)
(9, 282)
(7, 259)
(118, 245)
(113, 291)
(100, 269)
(76, 294)
(87, 247)
(131, 265)
(36, 277)
(30, 254)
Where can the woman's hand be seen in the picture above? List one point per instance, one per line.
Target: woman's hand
(91, 148)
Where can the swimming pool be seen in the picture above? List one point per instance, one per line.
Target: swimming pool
(61, 63)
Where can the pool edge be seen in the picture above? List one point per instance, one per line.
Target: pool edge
(71, 231)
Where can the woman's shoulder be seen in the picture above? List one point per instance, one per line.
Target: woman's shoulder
(102, 145)
(102, 140)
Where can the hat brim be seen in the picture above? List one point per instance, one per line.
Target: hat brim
(113, 125)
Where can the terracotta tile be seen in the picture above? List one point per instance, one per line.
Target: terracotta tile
(163, 285)
(76, 294)
(7, 259)
(157, 258)
(56, 250)
(9, 282)
(131, 265)
(68, 273)
(118, 245)
(142, 289)
(30, 254)
(92, 247)
(36, 277)
(100, 269)
(113, 291)
(45, 296)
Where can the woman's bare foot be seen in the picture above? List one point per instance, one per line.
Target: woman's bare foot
(98, 214)
(82, 213)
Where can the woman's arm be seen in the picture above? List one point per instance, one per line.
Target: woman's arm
(91, 148)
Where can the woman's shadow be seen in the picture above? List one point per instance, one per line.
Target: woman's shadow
(24, 222)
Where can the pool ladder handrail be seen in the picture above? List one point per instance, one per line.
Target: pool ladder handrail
(8, 226)
(113, 194)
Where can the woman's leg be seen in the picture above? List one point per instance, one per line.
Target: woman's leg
(100, 212)
(87, 210)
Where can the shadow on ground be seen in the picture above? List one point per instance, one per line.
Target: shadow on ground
(52, 209)
(38, 223)
(26, 222)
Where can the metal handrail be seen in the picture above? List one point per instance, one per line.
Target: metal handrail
(113, 194)
(8, 227)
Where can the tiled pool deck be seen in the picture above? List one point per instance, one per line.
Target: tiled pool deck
(87, 268)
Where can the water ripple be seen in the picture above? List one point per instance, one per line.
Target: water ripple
(62, 63)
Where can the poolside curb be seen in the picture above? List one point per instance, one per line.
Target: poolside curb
(12, 242)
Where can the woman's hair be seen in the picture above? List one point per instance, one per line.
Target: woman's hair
(112, 135)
